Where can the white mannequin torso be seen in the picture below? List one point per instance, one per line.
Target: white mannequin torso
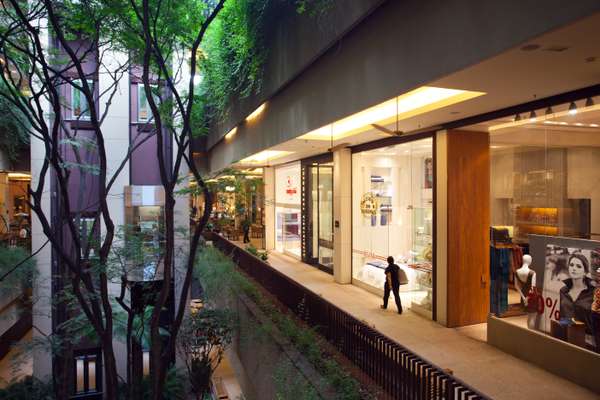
(523, 275)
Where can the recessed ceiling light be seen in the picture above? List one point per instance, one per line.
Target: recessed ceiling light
(231, 133)
(563, 123)
(594, 125)
(578, 124)
(265, 155)
(256, 112)
(416, 102)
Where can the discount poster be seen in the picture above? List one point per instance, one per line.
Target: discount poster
(568, 288)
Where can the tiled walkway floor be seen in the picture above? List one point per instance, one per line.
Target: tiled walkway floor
(464, 351)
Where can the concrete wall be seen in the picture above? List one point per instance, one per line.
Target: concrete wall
(295, 42)
(261, 357)
(400, 46)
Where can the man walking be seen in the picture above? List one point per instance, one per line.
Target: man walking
(246, 228)
(392, 283)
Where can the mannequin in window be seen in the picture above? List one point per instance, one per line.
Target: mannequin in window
(525, 279)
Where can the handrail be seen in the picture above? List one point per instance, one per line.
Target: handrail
(400, 372)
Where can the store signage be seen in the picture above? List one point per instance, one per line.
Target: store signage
(368, 204)
(291, 189)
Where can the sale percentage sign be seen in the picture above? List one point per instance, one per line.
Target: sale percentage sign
(552, 305)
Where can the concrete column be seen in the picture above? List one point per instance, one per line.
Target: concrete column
(342, 216)
(269, 181)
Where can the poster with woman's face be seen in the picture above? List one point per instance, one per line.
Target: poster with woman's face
(568, 288)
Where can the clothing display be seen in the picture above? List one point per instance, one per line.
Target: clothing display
(499, 272)
(525, 285)
(535, 301)
(505, 259)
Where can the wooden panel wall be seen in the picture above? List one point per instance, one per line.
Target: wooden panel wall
(468, 202)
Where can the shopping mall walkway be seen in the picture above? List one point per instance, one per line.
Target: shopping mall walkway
(464, 351)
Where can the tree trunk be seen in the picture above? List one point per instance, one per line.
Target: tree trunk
(110, 369)
(137, 370)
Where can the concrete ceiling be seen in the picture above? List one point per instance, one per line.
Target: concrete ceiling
(554, 63)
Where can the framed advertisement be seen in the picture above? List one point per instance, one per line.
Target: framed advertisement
(564, 305)
(428, 172)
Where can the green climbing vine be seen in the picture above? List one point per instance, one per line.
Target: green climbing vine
(237, 45)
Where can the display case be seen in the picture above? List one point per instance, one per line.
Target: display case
(422, 257)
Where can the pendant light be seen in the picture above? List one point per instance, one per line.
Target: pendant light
(517, 117)
(589, 102)
(572, 108)
(532, 116)
(549, 111)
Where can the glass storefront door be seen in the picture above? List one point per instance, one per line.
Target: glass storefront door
(318, 220)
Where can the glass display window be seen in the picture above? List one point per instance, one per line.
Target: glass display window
(287, 209)
(545, 217)
(392, 215)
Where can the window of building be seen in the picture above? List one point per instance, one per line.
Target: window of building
(88, 368)
(287, 209)
(144, 215)
(80, 108)
(146, 362)
(144, 110)
(392, 215)
(88, 236)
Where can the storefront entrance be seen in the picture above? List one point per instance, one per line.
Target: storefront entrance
(392, 215)
(287, 209)
(317, 213)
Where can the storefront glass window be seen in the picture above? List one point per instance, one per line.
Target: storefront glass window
(545, 212)
(392, 206)
(287, 209)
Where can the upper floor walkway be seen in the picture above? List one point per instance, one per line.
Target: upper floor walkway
(464, 351)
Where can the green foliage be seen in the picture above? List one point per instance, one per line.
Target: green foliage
(174, 389)
(20, 278)
(237, 45)
(27, 389)
(233, 53)
(263, 255)
(291, 384)
(220, 279)
(203, 338)
(14, 129)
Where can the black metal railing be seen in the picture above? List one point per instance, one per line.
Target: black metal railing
(401, 373)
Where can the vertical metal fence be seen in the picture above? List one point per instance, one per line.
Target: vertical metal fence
(401, 373)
